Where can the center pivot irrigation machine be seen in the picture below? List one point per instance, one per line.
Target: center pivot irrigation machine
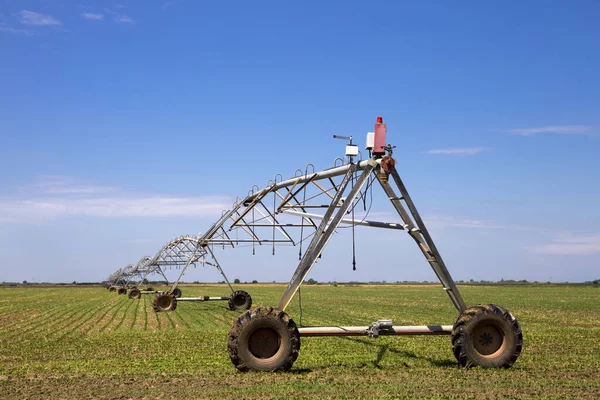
(266, 338)
(286, 213)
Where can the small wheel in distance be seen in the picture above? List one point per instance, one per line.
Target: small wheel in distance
(177, 293)
(112, 289)
(264, 339)
(487, 336)
(122, 290)
(149, 289)
(135, 294)
(240, 300)
(164, 302)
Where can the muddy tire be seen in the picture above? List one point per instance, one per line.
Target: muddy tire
(111, 289)
(135, 294)
(240, 300)
(264, 339)
(487, 336)
(177, 293)
(122, 291)
(164, 302)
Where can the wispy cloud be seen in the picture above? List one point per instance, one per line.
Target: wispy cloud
(92, 16)
(438, 221)
(56, 197)
(140, 241)
(61, 184)
(16, 31)
(560, 129)
(120, 18)
(124, 19)
(167, 4)
(464, 151)
(33, 18)
(570, 245)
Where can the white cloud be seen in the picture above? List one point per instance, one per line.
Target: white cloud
(56, 197)
(124, 19)
(580, 245)
(60, 184)
(465, 151)
(560, 129)
(33, 18)
(167, 4)
(16, 31)
(92, 16)
(118, 17)
(444, 221)
(438, 221)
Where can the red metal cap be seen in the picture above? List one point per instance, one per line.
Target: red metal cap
(380, 120)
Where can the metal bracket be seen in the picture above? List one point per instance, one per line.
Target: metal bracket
(379, 327)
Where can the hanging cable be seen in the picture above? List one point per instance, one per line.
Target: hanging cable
(274, 204)
(353, 238)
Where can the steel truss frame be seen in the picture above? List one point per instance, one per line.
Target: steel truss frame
(268, 216)
(485, 335)
(285, 213)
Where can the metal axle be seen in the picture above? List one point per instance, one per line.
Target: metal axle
(202, 298)
(368, 330)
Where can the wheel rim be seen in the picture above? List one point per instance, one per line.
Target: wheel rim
(164, 302)
(489, 340)
(239, 300)
(264, 343)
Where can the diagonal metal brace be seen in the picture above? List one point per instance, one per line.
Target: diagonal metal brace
(326, 229)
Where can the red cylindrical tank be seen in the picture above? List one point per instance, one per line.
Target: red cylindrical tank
(380, 132)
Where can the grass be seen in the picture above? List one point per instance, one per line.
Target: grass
(85, 342)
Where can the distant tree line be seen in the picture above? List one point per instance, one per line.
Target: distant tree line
(312, 281)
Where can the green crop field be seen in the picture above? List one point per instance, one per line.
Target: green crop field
(86, 342)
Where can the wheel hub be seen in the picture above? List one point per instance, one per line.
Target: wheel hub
(488, 339)
(239, 300)
(164, 302)
(264, 343)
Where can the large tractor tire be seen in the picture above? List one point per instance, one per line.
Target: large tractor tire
(164, 302)
(177, 293)
(487, 336)
(122, 291)
(264, 339)
(135, 294)
(240, 300)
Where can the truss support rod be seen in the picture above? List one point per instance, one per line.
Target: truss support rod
(290, 194)
(191, 259)
(375, 224)
(326, 228)
(299, 206)
(218, 266)
(421, 236)
(328, 173)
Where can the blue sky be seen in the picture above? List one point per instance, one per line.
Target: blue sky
(125, 124)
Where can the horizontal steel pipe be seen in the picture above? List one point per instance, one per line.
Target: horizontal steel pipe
(364, 330)
(328, 173)
(357, 221)
(202, 298)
